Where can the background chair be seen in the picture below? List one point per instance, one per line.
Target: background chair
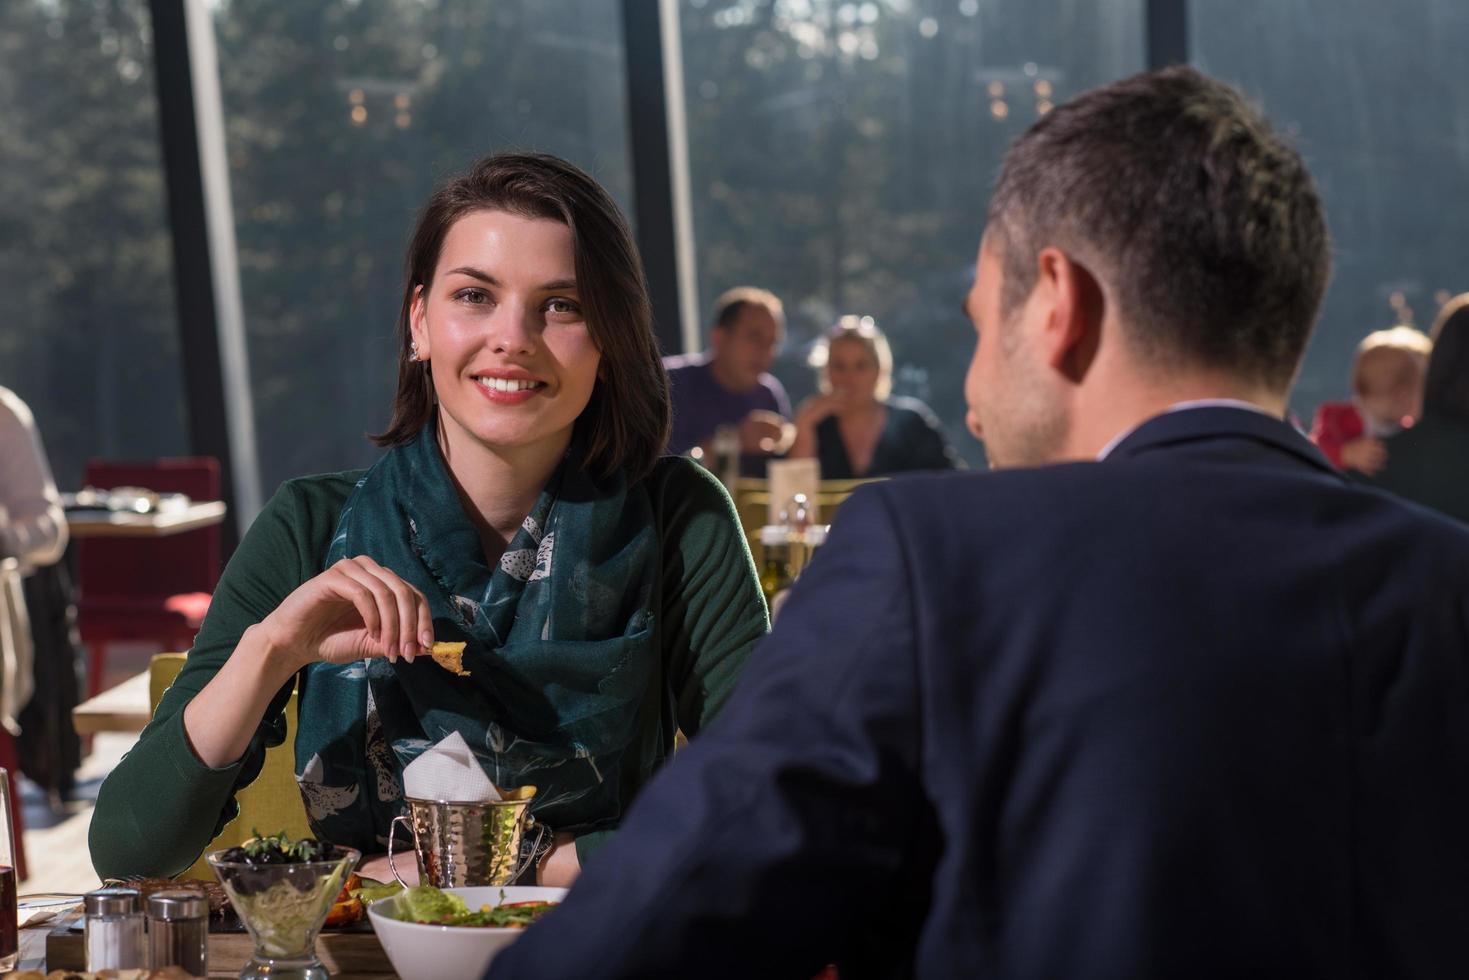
(152, 589)
(270, 804)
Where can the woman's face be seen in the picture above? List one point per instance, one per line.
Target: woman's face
(501, 325)
(851, 369)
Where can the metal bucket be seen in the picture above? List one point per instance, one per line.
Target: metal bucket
(464, 844)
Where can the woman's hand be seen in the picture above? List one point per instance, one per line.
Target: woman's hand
(355, 609)
(560, 866)
(819, 407)
(763, 433)
(378, 869)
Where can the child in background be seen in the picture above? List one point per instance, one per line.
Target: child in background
(1387, 397)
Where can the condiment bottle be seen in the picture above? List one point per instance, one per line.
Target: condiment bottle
(114, 929)
(775, 561)
(797, 518)
(178, 931)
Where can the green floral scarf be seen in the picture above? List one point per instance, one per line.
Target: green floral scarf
(559, 650)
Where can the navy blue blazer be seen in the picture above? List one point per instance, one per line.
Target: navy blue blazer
(1200, 710)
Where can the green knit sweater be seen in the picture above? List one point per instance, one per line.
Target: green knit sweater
(161, 806)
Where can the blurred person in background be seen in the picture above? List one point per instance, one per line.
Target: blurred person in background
(729, 387)
(1429, 463)
(1164, 695)
(854, 426)
(1387, 397)
(522, 506)
(32, 534)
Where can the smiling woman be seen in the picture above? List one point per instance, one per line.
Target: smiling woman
(605, 596)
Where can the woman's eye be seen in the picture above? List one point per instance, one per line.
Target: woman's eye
(475, 297)
(562, 306)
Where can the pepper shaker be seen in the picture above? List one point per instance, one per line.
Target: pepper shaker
(114, 929)
(178, 931)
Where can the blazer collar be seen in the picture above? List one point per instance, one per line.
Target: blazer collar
(1195, 424)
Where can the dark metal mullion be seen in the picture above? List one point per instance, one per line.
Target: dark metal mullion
(653, 138)
(1167, 33)
(210, 322)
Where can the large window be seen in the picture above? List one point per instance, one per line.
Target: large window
(1378, 101)
(88, 338)
(340, 117)
(842, 154)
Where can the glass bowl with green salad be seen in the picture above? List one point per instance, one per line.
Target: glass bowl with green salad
(282, 890)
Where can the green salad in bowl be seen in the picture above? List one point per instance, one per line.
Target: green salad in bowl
(431, 906)
(454, 933)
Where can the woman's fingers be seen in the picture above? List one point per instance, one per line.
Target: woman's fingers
(410, 607)
(395, 616)
(361, 597)
(425, 622)
(386, 637)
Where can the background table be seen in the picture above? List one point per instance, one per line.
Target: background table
(123, 708)
(126, 524)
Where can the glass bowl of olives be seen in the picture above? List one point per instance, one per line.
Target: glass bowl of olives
(282, 890)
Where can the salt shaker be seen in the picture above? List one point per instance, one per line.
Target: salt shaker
(178, 931)
(114, 929)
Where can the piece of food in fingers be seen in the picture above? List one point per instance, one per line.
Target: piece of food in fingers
(449, 656)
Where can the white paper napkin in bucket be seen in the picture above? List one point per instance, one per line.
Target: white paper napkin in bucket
(448, 771)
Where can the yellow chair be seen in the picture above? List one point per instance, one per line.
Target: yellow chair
(271, 803)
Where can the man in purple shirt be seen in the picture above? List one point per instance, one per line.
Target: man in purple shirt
(730, 384)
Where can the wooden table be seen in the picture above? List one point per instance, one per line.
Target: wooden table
(123, 708)
(126, 524)
(33, 948)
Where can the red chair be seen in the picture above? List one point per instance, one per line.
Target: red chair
(154, 589)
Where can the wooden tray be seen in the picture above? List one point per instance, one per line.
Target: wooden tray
(354, 954)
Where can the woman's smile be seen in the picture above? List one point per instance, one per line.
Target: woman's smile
(509, 389)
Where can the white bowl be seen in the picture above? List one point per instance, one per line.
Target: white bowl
(422, 952)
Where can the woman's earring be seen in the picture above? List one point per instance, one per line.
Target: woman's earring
(413, 350)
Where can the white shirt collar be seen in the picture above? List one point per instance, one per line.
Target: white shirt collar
(1182, 407)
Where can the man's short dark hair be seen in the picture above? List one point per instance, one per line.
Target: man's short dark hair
(731, 305)
(1176, 191)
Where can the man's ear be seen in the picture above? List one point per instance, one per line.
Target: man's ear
(1073, 326)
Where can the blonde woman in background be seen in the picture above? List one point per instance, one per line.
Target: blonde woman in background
(853, 426)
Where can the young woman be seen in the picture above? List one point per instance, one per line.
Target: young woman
(852, 426)
(606, 595)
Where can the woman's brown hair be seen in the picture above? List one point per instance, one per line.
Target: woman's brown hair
(625, 424)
